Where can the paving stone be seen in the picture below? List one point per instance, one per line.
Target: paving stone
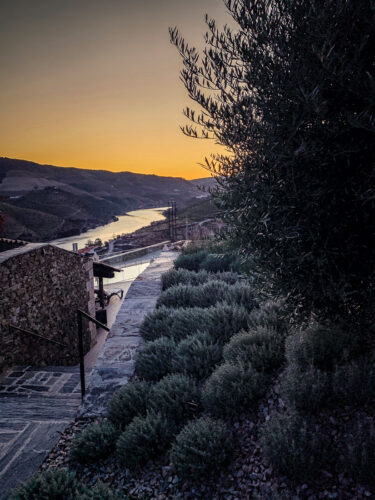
(39, 440)
(115, 364)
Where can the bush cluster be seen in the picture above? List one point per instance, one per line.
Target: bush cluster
(215, 263)
(156, 323)
(201, 447)
(190, 261)
(58, 484)
(96, 441)
(320, 345)
(197, 356)
(293, 445)
(308, 390)
(262, 348)
(225, 320)
(194, 296)
(184, 277)
(154, 359)
(176, 396)
(128, 402)
(319, 373)
(61, 484)
(220, 321)
(269, 314)
(144, 438)
(232, 389)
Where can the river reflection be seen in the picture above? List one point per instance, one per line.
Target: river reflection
(126, 224)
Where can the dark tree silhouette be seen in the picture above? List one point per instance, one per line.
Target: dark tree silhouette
(291, 95)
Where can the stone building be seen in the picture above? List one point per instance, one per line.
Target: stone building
(41, 288)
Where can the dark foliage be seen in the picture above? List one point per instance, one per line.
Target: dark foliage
(154, 360)
(262, 348)
(128, 402)
(184, 277)
(96, 441)
(203, 446)
(226, 320)
(51, 484)
(232, 389)
(176, 396)
(359, 454)
(322, 346)
(220, 262)
(205, 295)
(197, 356)
(156, 323)
(144, 438)
(294, 446)
(291, 95)
(190, 261)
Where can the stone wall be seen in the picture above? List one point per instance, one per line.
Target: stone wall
(41, 290)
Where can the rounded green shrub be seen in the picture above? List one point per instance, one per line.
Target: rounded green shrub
(156, 323)
(176, 396)
(242, 294)
(154, 359)
(232, 389)
(205, 295)
(178, 296)
(225, 320)
(56, 484)
(96, 441)
(179, 323)
(101, 492)
(144, 438)
(321, 346)
(185, 322)
(128, 402)
(197, 356)
(294, 446)
(212, 292)
(262, 348)
(306, 390)
(270, 314)
(220, 262)
(203, 446)
(175, 277)
(190, 261)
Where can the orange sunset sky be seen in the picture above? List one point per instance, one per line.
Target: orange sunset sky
(95, 83)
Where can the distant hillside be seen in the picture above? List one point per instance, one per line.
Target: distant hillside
(43, 202)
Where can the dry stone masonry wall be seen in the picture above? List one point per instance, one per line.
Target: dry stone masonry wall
(41, 289)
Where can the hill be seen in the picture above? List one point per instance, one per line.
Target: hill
(43, 202)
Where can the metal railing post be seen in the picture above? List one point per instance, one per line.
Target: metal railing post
(81, 355)
(80, 315)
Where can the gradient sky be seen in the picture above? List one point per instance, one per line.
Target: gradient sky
(95, 83)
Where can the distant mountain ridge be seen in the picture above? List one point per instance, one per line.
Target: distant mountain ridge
(43, 202)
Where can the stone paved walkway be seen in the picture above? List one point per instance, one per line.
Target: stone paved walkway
(36, 405)
(115, 364)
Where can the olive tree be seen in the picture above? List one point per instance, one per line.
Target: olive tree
(290, 94)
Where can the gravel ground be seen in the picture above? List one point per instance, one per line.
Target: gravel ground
(246, 477)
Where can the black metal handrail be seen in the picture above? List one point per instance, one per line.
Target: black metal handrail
(37, 335)
(80, 315)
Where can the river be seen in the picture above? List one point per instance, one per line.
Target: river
(125, 224)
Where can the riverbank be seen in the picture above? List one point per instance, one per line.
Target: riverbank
(124, 225)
